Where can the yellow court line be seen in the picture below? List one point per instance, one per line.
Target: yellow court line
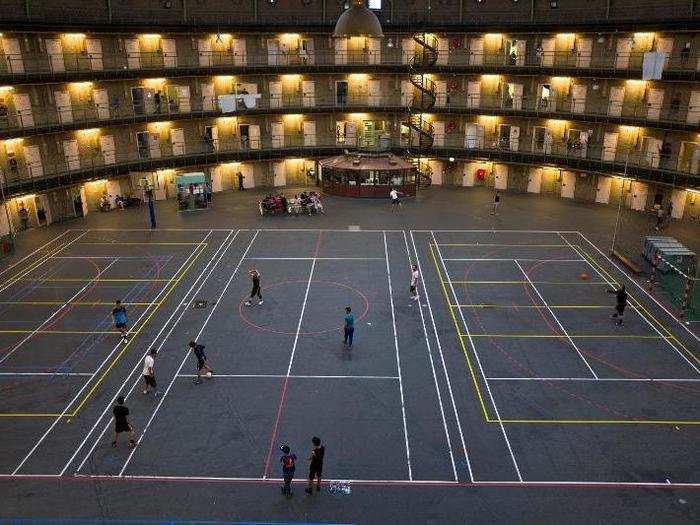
(680, 422)
(640, 306)
(33, 266)
(460, 339)
(99, 279)
(73, 303)
(536, 306)
(562, 336)
(529, 282)
(30, 414)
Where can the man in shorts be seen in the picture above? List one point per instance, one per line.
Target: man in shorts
(149, 374)
(414, 282)
(122, 423)
(395, 201)
(316, 464)
(202, 365)
(119, 315)
(255, 276)
(288, 462)
(621, 294)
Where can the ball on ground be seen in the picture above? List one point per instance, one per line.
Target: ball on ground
(208, 374)
(584, 276)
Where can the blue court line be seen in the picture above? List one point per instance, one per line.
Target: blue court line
(130, 521)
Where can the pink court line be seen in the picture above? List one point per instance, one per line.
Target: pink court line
(369, 482)
(594, 380)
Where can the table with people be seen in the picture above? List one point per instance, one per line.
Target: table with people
(303, 203)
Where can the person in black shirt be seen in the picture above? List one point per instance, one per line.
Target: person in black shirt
(496, 202)
(202, 365)
(621, 294)
(255, 276)
(316, 465)
(122, 423)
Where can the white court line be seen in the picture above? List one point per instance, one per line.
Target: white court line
(595, 379)
(13, 281)
(496, 231)
(187, 355)
(138, 257)
(106, 359)
(398, 359)
(511, 260)
(316, 258)
(186, 298)
(478, 361)
(658, 303)
(596, 270)
(435, 381)
(34, 252)
(58, 311)
(277, 376)
(556, 319)
(30, 374)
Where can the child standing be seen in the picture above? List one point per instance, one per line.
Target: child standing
(122, 423)
(349, 330)
(119, 315)
(288, 462)
(414, 282)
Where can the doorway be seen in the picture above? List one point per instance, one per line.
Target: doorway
(341, 92)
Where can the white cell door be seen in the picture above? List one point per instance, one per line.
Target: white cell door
(308, 93)
(55, 51)
(13, 55)
(72, 154)
(217, 183)
(275, 94)
(548, 51)
(133, 53)
(341, 50)
(438, 134)
(517, 96)
(215, 137)
(602, 194)
(23, 107)
(254, 136)
(443, 46)
(309, 133)
(207, 96)
(583, 139)
(617, 95)
(274, 56)
(63, 106)
(310, 55)
(534, 181)
(408, 50)
(609, 147)
(279, 174)
(169, 48)
(277, 132)
(101, 101)
(584, 49)
(32, 158)
(177, 138)
(678, 198)
(406, 93)
(374, 96)
(93, 48)
(350, 134)
(664, 45)
(473, 94)
(548, 139)
(204, 52)
(568, 184)
(154, 145)
(500, 176)
(693, 108)
(476, 51)
(520, 46)
(639, 196)
(578, 98)
(623, 51)
(514, 139)
(108, 149)
(183, 99)
(441, 93)
(652, 151)
(240, 57)
(474, 136)
(374, 51)
(655, 99)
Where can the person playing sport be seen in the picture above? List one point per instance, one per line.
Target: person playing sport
(288, 461)
(349, 329)
(496, 203)
(202, 365)
(395, 201)
(255, 276)
(414, 282)
(149, 374)
(119, 315)
(122, 423)
(621, 294)
(316, 464)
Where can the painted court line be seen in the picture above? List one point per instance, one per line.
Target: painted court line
(533, 306)
(30, 374)
(512, 259)
(398, 358)
(595, 379)
(40, 248)
(556, 319)
(277, 376)
(316, 258)
(435, 380)
(557, 283)
(158, 340)
(478, 361)
(562, 336)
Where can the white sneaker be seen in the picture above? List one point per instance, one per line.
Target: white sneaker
(260, 301)
(248, 303)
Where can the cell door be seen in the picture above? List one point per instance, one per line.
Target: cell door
(274, 57)
(534, 181)
(154, 145)
(207, 96)
(438, 134)
(32, 159)
(108, 149)
(308, 93)
(406, 93)
(240, 57)
(441, 93)
(100, 98)
(254, 133)
(341, 92)
(309, 133)
(693, 108)
(443, 47)
(519, 49)
(374, 96)
(169, 48)
(623, 52)
(374, 51)
(133, 53)
(143, 144)
(500, 178)
(72, 154)
(609, 147)
(602, 192)
(13, 55)
(350, 134)
(23, 108)
(655, 99)
(474, 136)
(54, 50)
(664, 45)
(476, 51)
(341, 50)
(275, 94)
(548, 52)
(578, 98)
(514, 138)
(639, 192)
(277, 132)
(568, 184)
(183, 99)
(63, 106)
(138, 100)
(204, 52)
(177, 138)
(93, 48)
(652, 151)
(408, 50)
(473, 94)
(617, 95)
(584, 50)
(517, 95)
(279, 174)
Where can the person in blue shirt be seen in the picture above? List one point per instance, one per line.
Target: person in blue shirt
(119, 315)
(349, 327)
(288, 462)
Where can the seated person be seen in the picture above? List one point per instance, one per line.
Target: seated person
(316, 202)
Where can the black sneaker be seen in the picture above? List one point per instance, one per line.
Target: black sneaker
(308, 491)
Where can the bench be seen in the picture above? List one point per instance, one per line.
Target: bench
(627, 262)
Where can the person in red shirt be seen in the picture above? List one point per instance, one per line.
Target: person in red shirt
(288, 462)
(316, 464)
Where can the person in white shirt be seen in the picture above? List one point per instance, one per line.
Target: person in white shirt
(395, 202)
(149, 374)
(414, 282)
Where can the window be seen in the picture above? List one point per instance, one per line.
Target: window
(375, 4)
